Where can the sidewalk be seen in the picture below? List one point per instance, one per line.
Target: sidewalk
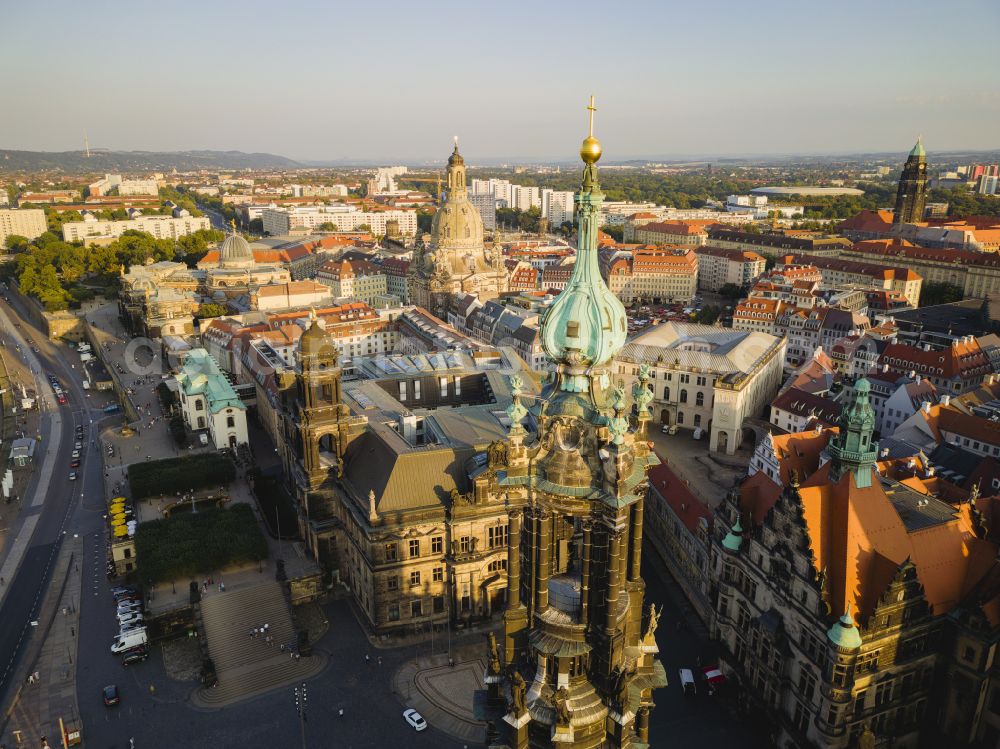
(444, 694)
(39, 704)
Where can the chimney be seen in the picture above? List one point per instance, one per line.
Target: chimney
(917, 378)
(911, 374)
(945, 400)
(926, 407)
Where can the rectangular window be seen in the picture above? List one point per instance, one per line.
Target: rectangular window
(497, 536)
(390, 552)
(416, 609)
(415, 548)
(402, 391)
(415, 578)
(392, 583)
(444, 386)
(437, 544)
(230, 422)
(438, 574)
(439, 604)
(394, 613)
(464, 544)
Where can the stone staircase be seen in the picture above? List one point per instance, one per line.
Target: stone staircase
(247, 666)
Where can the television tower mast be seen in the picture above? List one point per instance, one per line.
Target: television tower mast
(86, 145)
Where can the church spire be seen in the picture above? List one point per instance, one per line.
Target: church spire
(585, 327)
(853, 450)
(911, 193)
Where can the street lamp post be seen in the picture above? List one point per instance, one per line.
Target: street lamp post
(300, 708)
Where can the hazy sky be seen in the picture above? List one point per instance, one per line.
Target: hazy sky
(391, 80)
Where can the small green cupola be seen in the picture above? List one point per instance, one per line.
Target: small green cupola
(853, 450)
(734, 539)
(844, 634)
(918, 150)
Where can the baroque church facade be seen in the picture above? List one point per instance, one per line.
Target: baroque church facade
(456, 261)
(519, 498)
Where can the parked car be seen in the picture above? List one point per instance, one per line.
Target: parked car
(72, 475)
(134, 656)
(687, 682)
(131, 617)
(415, 719)
(75, 463)
(713, 679)
(111, 697)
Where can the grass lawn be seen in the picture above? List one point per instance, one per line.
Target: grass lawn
(196, 544)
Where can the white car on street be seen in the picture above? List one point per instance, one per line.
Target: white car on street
(415, 719)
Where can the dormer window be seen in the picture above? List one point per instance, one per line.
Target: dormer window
(572, 329)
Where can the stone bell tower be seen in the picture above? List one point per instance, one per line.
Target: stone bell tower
(321, 416)
(579, 653)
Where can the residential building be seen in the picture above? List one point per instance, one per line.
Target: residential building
(718, 266)
(208, 401)
(557, 207)
(525, 198)
(840, 272)
(844, 599)
(354, 279)
(486, 204)
(21, 222)
(706, 378)
(956, 368)
(346, 217)
(287, 295)
(161, 227)
(777, 243)
(796, 410)
(691, 233)
(678, 530)
(651, 274)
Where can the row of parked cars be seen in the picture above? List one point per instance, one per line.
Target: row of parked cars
(131, 643)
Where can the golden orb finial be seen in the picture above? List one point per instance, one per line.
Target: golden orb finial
(590, 149)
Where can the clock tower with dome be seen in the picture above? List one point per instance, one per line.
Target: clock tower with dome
(456, 261)
(579, 649)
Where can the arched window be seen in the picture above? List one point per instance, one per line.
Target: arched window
(666, 393)
(684, 396)
(699, 399)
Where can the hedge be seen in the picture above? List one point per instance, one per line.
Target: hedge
(273, 499)
(180, 475)
(198, 544)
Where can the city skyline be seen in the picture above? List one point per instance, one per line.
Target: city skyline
(721, 85)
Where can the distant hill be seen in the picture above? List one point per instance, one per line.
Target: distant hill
(138, 161)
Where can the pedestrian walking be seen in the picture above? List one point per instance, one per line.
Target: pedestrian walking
(380, 660)
(368, 658)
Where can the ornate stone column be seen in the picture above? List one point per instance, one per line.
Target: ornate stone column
(614, 578)
(588, 528)
(514, 560)
(642, 724)
(636, 539)
(544, 560)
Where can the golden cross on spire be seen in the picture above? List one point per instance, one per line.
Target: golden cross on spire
(591, 108)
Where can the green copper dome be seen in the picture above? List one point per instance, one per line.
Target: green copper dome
(843, 633)
(734, 539)
(586, 326)
(853, 449)
(918, 149)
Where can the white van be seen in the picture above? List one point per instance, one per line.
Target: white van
(128, 640)
(687, 682)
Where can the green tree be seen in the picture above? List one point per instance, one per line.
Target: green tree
(328, 226)
(732, 292)
(939, 292)
(16, 243)
(615, 232)
(210, 309)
